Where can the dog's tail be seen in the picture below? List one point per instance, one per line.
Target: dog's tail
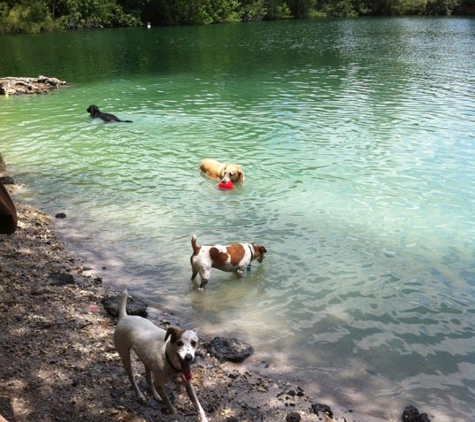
(123, 304)
(195, 247)
(126, 121)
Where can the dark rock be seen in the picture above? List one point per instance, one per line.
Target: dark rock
(411, 414)
(231, 349)
(293, 417)
(60, 215)
(7, 180)
(134, 306)
(322, 408)
(61, 279)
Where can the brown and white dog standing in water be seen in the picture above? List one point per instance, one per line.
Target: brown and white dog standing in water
(222, 172)
(163, 353)
(231, 258)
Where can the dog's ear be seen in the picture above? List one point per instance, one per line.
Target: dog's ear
(173, 333)
(241, 175)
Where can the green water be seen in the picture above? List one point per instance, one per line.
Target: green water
(356, 137)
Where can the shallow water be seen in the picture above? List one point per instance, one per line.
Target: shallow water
(356, 137)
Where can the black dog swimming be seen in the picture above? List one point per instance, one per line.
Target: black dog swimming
(94, 112)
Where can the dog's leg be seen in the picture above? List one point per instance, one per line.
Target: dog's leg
(204, 275)
(192, 395)
(204, 281)
(151, 386)
(166, 400)
(239, 273)
(128, 368)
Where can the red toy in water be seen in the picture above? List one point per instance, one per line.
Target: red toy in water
(226, 185)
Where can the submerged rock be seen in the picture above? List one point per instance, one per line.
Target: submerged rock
(231, 349)
(322, 408)
(411, 414)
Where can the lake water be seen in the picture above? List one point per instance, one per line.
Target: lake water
(357, 140)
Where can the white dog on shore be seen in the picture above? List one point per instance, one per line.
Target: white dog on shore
(163, 353)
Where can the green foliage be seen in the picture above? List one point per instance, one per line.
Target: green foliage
(27, 16)
(409, 7)
(254, 10)
(340, 8)
(223, 11)
(300, 8)
(440, 7)
(278, 9)
(465, 7)
(78, 14)
(46, 15)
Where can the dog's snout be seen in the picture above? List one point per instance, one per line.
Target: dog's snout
(188, 357)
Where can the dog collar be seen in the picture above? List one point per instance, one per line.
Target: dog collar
(252, 253)
(171, 364)
(252, 257)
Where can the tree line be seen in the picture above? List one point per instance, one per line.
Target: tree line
(32, 16)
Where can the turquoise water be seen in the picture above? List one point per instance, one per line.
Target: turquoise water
(356, 137)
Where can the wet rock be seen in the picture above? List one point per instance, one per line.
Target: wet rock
(7, 180)
(293, 417)
(411, 414)
(134, 306)
(231, 349)
(60, 215)
(322, 408)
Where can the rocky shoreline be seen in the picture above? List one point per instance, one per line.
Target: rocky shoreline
(22, 85)
(59, 362)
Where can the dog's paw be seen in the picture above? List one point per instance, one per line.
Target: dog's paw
(141, 399)
(171, 410)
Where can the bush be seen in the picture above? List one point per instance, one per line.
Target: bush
(32, 18)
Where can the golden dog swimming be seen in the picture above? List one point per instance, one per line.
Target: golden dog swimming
(222, 172)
